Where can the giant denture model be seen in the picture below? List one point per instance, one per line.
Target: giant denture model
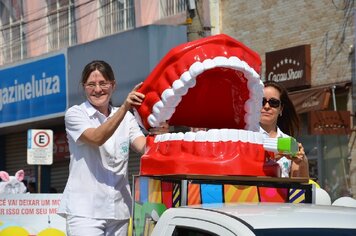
(213, 83)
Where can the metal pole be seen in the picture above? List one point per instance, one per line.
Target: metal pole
(334, 98)
(320, 164)
(184, 193)
(39, 179)
(339, 142)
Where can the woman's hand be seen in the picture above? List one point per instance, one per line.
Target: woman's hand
(134, 98)
(297, 158)
(300, 165)
(300, 155)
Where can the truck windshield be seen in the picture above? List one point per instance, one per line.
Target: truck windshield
(188, 231)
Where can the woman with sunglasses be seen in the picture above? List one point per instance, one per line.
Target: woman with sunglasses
(280, 119)
(97, 198)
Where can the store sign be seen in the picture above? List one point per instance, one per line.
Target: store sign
(291, 66)
(310, 99)
(33, 91)
(330, 122)
(39, 147)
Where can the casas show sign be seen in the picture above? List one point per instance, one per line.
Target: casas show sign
(290, 67)
(330, 122)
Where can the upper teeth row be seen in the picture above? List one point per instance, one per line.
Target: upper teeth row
(214, 135)
(171, 97)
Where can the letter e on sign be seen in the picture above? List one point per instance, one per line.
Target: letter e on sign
(39, 147)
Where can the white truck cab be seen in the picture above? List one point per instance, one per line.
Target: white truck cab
(247, 219)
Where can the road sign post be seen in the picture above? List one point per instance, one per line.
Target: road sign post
(39, 150)
(39, 147)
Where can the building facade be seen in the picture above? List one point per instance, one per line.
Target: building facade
(322, 87)
(328, 28)
(51, 41)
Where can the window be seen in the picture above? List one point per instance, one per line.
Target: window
(328, 155)
(12, 38)
(172, 7)
(305, 232)
(116, 16)
(61, 21)
(190, 231)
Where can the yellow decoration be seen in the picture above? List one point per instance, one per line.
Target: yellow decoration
(14, 230)
(51, 232)
(129, 232)
(315, 183)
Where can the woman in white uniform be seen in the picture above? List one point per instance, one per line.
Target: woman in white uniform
(279, 119)
(97, 198)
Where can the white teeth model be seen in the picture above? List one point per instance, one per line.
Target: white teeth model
(243, 136)
(179, 88)
(208, 64)
(157, 138)
(213, 135)
(171, 97)
(157, 107)
(216, 135)
(233, 135)
(176, 136)
(200, 136)
(224, 135)
(234, 63)
(188, 80)
(152, 120)
(221, 135)
(189, 136)
(220, 61)
(196, 69)
(166, 137)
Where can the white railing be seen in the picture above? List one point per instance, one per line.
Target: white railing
(116, 16)
(12, 39)
(61, 24)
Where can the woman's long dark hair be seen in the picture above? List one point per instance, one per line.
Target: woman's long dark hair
(288, 122)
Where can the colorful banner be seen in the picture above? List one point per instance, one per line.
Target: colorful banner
(31, 215)
(240, 193)
(194, 194)
(155, 193)
(211, 193)
(153, 196)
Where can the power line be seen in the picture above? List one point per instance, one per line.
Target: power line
(44, 16)
(44, 26)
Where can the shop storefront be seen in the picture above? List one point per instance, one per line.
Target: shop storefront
(36, 93)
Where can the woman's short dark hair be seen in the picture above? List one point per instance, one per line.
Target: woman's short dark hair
(102, 66)
(288, 122)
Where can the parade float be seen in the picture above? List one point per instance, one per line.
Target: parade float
(211, 85)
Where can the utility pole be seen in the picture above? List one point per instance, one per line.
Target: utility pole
(352, 142)
(195, 27)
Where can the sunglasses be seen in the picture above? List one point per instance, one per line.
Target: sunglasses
(272, 102)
